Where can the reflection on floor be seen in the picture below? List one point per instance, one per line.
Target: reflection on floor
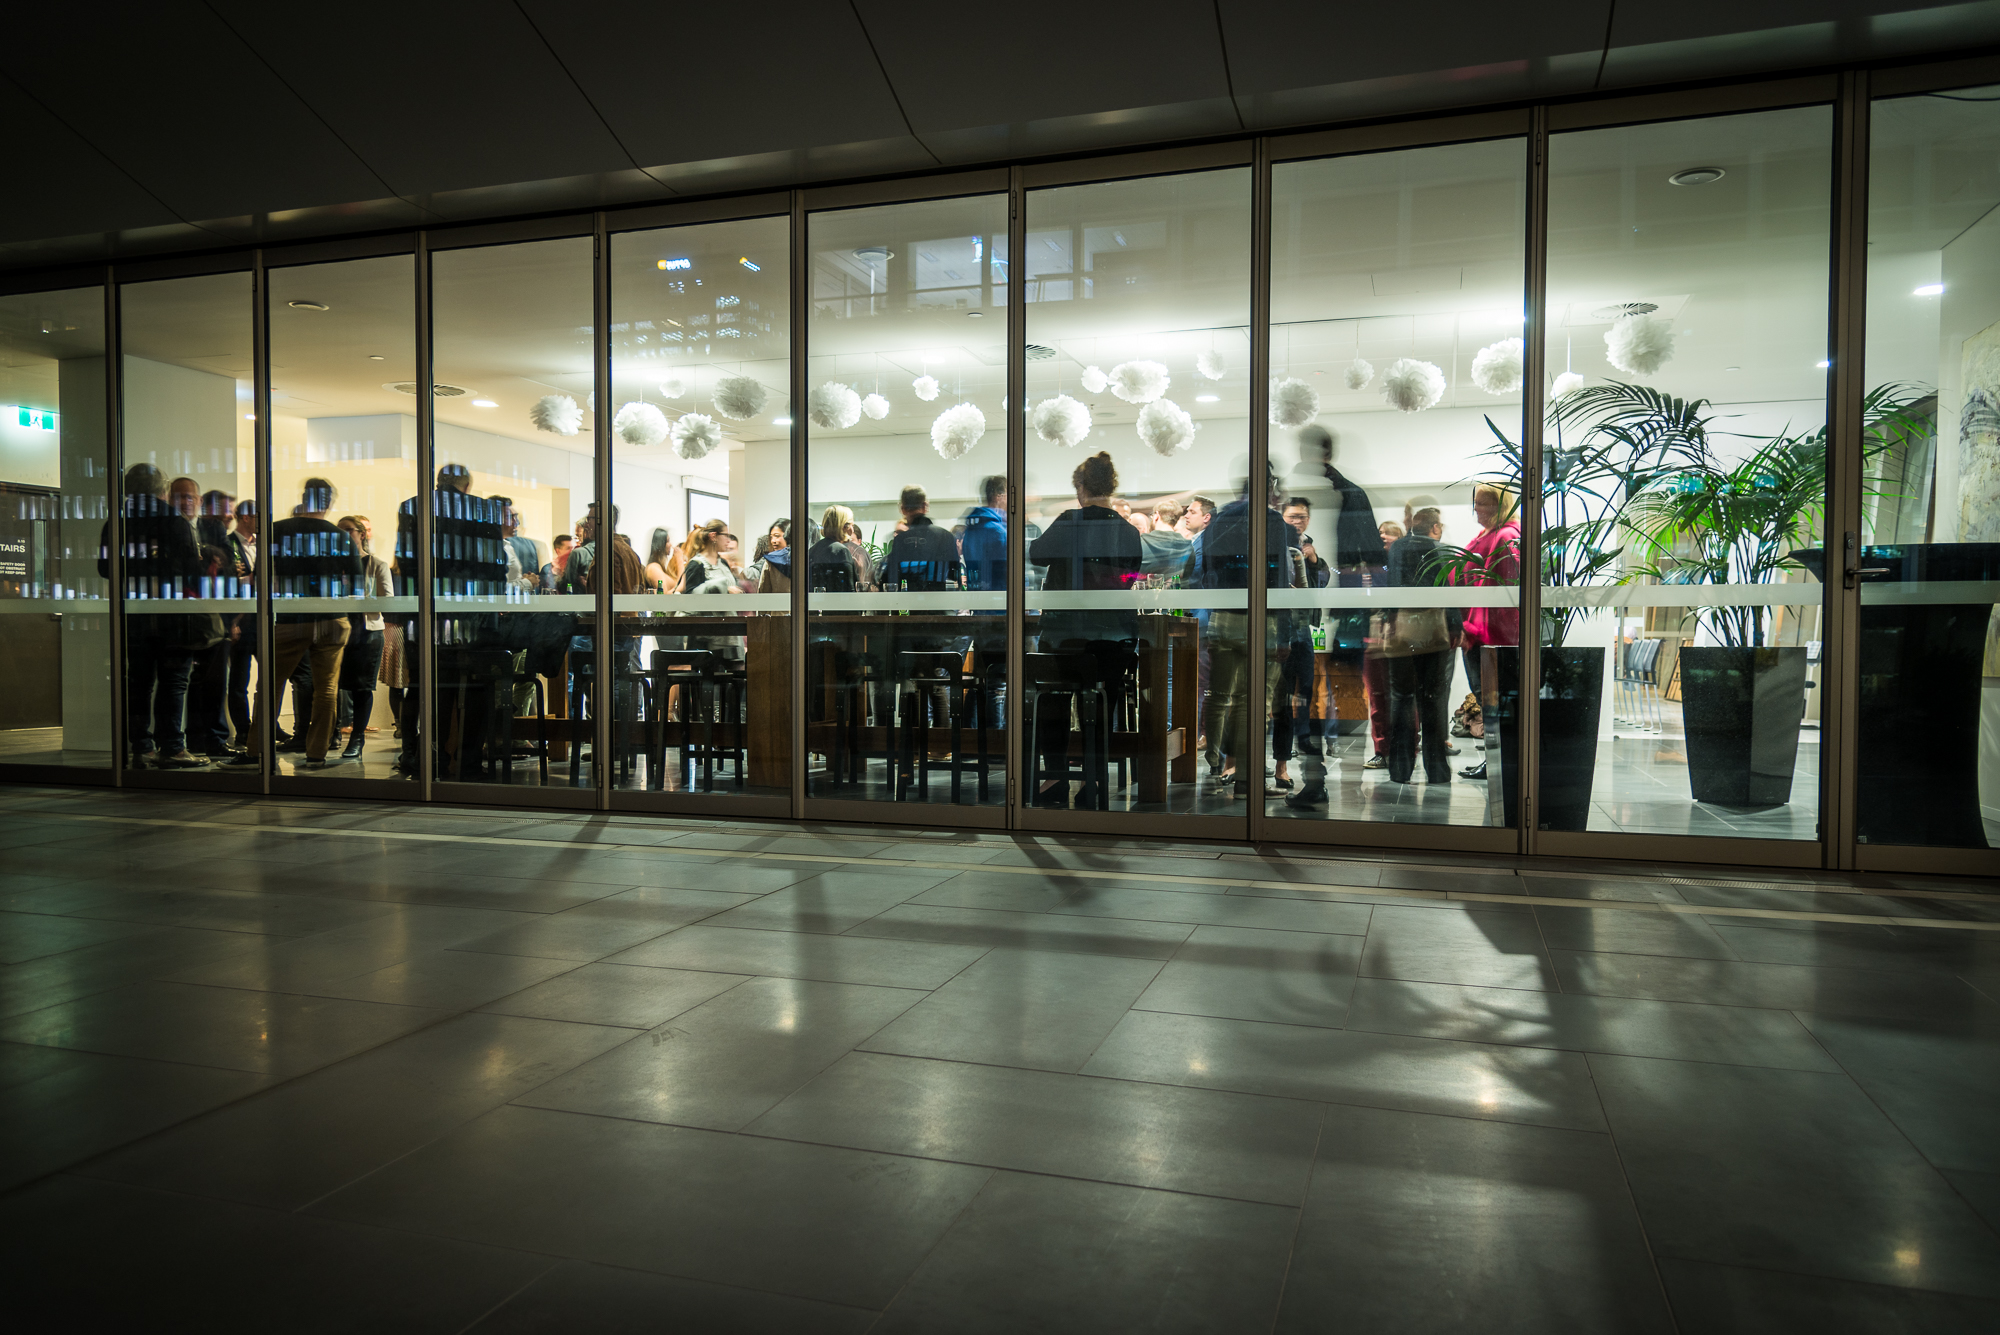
(44, 746)
(351, 1066)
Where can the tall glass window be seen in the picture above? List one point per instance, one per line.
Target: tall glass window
(701, 480)
(1137, 500)
(906, 461)
(188, 463)
(1929, 745)
(513, 343)
(343, 462)
(1684, 486)
(55, 638)
(1396, 359)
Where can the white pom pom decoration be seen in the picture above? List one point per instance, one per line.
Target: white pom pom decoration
(1094, 381)
(740, 397)
(1359, 372)
(1166, 426)
(1139, 382)
(926, 387)
(1411, 386)
(640, 424)
(876, 407)
(1293, 402)
(957, 429)
(1060, 421)
(1639, 344)
(673, 387)
(1211, 365)
(695, 435)
(834, 406)
(1568, 383)
(1497, 368)
(557, 413)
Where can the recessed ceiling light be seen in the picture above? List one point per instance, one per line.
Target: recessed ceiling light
(781, 421)
(1732, 368)
(374, 356)
(1824, 366)
(1697, 176)
(1929, 290)
(484, 403)
(1208, 398)
(873, 254)
(975, 315)
(309, 306)
(409, 387)
(249, 417)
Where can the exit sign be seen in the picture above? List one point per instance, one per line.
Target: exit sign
(38, 419)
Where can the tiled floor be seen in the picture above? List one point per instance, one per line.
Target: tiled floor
(291, 1065)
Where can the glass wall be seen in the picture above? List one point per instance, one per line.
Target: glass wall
(188, 462)
(1136, 506)
(906, 459)
(512, 384)
(701, 480)
(1396, 364)
(343, 466)
(55, 490)
(1929, 747)
(1685, 463)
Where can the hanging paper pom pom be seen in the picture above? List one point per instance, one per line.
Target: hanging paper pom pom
(1497, 368)
(673, 387)
(740, 397)
(640, 424)
(1568, 383)
(876, 407)
(1060, 421)
(695, 435)
(1139, 382)
(1210, 365)
(1359, 372)
(926, 387)
(1094, 380)
(957, 429)
(1293, 402)
(1166, 426)
(1639, 344)
(557, 413)
(834, 406)
(1411, 386)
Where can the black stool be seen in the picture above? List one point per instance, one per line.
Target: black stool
(1065, 677)
(925, 670)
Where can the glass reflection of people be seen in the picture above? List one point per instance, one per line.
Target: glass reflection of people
(1225, 564)
(212, 527)
(1291, 710)
(311, 558)
(361, 665)
(241, 545)
(1089, 549)
(162, 560)
(184, 495)
(1415, 643)
(524, 567)
(1497, 549)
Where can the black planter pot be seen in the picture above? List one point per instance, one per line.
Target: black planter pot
(1741, 710)
(1572, 699)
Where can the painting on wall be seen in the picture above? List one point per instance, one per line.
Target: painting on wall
(1979, 438)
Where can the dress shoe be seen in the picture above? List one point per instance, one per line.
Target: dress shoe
(1307, 797)
(1474, 772)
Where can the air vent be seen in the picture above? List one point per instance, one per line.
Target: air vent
(1697, 176)
(1624, 308)
(1038, 353)
(409, 387)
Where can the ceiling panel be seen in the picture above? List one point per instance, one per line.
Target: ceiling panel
(1656, 41)
(64, 186)
(168, 94)
(443, 95)
(1047, 59)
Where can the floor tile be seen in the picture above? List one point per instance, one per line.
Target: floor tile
(27, 936)
(1418, 1223)
(592, 931)
(831, 959)
(628, 995)
(1041, 1009)
(1788, 1170)
(302, 963)
(292, 1145)
(1546, 1088)
(1483, 949)
(1631, 932)
(728, 1060)
(447, 979)
(1044, 1254)
(1291, 915)
(606, 1300)
(1143, 1135)
(1245, 974)
(840, 1226)
(1025, 931)
(1942, 1089)
(731, 876)
(1711, 1299)
(832, 901)
(1864, 993)
(1979, 1190)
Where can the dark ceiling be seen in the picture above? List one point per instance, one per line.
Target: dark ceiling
(180, 124)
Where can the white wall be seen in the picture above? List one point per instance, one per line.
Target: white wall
(183, 420)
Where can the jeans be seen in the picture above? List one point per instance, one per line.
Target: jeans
(1418, 684)
(242, 654)
(320, 644)
(1471, 654)
(156, 687)
(207, 713)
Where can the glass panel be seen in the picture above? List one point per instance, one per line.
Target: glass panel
(699, 329)
(1396, 283)
(1685, 481)
(1136, 497)
(55, 641)
(512, 340)
(343, 461)
(188, 463)
(1930, 563)
(905, 669)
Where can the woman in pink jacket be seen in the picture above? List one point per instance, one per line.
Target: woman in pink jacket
(1498, 545)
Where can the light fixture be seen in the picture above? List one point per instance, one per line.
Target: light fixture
(1208, 398)
(975, 315)
(484, 403)
(873, 254)
(781, 421)
(1732, 368)
(309, 306)
(753, 268)
(1929, 290)
(677, 264)
(1823, 365)
(249, 417)
(1697, 176)
(375, 357)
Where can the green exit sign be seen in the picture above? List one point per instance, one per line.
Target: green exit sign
(39, 419)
